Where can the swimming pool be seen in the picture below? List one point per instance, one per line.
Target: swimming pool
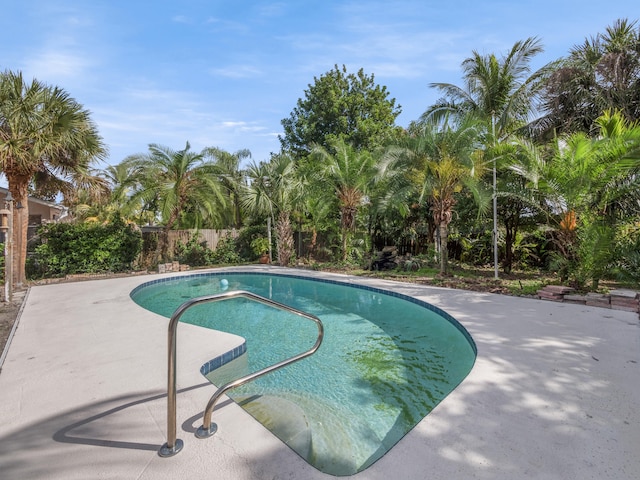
(386, 361)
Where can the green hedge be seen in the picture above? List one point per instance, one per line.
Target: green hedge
(67, 248)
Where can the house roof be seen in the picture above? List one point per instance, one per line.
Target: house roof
(5, 191)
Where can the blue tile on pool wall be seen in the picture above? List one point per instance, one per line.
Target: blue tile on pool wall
(223, 359)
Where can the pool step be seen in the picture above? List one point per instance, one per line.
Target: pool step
(315, 431)
(283, 418)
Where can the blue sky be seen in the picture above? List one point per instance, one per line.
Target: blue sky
(224, 73)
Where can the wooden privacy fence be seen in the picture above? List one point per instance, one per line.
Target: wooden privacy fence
(210, 237)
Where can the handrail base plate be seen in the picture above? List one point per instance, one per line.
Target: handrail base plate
(165, 451)
(206, 432)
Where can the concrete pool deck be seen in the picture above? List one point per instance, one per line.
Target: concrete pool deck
(554, 394)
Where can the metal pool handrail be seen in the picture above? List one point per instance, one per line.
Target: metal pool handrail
(174, 445)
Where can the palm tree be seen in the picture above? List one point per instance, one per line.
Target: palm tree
(117, 198)
(89, 203)
(445, 158)
(499, 92)
(317, 216)
(502, 94)
(182, 185)
(603, 73)
(232, 178)
(48, 138)
(123, 179)
(275, 187)
(347, 176)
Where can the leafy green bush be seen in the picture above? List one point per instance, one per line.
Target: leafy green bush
(194, 252)
(246, 238)
(475, 248)
(260, 246)
(627, 268)
(226, 251)
(595, 252)
(67, 248)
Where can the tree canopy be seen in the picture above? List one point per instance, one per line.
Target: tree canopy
(182, 185)
(602, 73)
(496, 90)
(340, 106)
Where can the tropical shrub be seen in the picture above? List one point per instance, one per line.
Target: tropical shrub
(246, 237)
(596, 249)
(627, 268)
(193, 253)
(67, 248)
(475, 248)
(260, 246)
(226, 252)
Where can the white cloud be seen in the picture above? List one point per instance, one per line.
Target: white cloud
(181, 19)
(237, 71)
(397, 70)
(233, 124)
(132, 118)
(391, 51)
(52, 66)
(65, 53)
(242, 126)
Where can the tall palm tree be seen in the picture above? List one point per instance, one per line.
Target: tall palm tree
(46, 137)
(275, 188)
(501, 92)
(445, 157)
(182, 185)
(347, 175)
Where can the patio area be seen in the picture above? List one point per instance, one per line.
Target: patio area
(554, 394)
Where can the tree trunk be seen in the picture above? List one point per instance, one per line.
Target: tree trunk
(163, 246)
(237, 210)
(348, 223)
(345, 244)
(284, 238)
(312, 245)
(444, 253)
(19, 188)
(511, 224)
(508, 249)
(442, 215)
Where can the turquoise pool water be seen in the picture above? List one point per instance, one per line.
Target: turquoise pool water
(385, 363)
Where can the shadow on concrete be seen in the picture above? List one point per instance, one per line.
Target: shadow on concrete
(65, 435)
(122, 422)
